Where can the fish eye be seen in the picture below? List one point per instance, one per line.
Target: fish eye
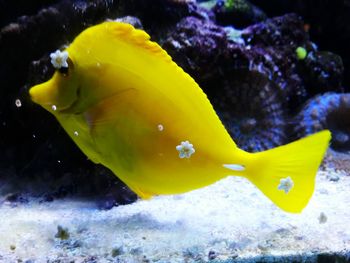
(66, 70)
(61, 61)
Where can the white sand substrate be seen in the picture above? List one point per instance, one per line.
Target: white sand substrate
(228, 220)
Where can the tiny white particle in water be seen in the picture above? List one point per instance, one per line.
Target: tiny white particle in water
(34, 136)
(160, 127)
(58, 161)
(185, 149)
(76, 133)
(286, 184)
(322, 218)
(54, 107)
(18, 103)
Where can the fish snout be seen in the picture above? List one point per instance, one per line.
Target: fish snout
(43, 94)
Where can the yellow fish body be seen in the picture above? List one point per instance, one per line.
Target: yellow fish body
(128, 106)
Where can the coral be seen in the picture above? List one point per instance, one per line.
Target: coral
(207, 4)
(319, 72)
(278, 38)
(301, 53)
(10, 10)
(260, 59)
(193, 43)
(245, 83)
(322, 72)
(206, 50)
(159, 16)
(131, 20)
(329, 24)
(237, 13)
(329, 27)
(283, 32)
(329, 111)
(269, 48)
(251, 110)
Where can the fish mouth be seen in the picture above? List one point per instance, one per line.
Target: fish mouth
(74, 107)
(71, 109)
(40, 94)
(46, 95)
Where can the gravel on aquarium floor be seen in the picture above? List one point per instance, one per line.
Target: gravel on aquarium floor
(228, 221)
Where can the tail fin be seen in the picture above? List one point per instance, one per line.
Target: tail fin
(296, 164)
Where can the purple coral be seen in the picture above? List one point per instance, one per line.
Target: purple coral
(249, 105)
(329, 111)
(246, 86)
(239, 13)
(255, 80)
(196, 45)
(322, 72)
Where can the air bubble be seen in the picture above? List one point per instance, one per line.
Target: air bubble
(18, 103)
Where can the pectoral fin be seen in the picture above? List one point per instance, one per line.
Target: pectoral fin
(107, 109)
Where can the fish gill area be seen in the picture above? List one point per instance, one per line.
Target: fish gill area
(274, 71)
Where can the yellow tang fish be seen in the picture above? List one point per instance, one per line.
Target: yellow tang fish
(128, 106)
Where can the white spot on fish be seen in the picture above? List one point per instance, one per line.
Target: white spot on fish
(160, 127)
(76, 133)
(286, 184)
(18, 103)
(53, 107)
(59, 59)
(234, 167)
(185, 149)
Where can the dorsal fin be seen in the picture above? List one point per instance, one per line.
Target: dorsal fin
(136, 37)
(141, 39)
